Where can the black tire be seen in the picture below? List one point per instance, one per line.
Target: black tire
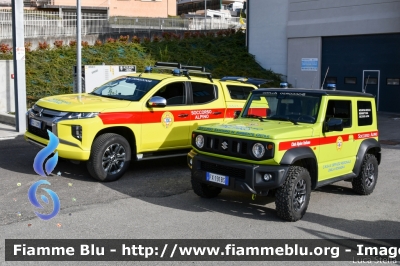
(109, 157)
(292, 198)
(204, 190)
(365, 182)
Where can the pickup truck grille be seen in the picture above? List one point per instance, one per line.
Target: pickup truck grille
(223, 170)
(41, 132)
(233, 147)
(47, 118)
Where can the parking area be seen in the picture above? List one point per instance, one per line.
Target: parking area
(154, 200)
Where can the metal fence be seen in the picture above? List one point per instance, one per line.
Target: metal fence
(42, 24)
(195, 23)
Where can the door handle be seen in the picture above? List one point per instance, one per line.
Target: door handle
(216, 113)
(182, 115)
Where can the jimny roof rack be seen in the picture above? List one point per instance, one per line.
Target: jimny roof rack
(178, 69)
(255, 81)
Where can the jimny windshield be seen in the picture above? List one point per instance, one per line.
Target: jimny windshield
(283, 106)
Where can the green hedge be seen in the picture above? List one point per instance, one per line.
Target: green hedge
(49, 70)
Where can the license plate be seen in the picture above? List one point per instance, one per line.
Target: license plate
(36, 123)
(220, 179)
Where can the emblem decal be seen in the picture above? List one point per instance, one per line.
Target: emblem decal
(224, 145)
(339, 143)
(167, 119)
(39, 113)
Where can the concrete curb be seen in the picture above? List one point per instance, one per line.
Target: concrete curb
(7, 119)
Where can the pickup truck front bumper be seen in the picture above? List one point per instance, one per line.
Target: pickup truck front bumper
(243, 177)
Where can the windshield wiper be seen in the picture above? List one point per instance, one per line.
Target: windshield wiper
(112, 97)
(281, 118)
(254, 116)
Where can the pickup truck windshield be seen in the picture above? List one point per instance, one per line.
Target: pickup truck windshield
(295, 107)
(126, 88)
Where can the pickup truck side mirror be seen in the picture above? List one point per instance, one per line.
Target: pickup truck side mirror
(157, 101)
(236, 114)
(333, 124)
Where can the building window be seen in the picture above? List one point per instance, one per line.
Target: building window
(371, 81)
(364, 113)
(331, 80)
(393, 82)
(350, 80)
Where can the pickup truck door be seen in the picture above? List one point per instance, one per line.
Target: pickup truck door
(207, 104)
(167, 127)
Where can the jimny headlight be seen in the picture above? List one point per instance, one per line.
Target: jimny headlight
(80, 115)
(258, 150)
(200, 141)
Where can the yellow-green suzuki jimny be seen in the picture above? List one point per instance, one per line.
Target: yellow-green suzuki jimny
(289, 141)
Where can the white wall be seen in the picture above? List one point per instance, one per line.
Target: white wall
(309, 18)
(267, 33)
(6, 86)
(299, 48)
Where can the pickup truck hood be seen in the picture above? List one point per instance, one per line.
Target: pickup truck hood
(83, 103)
(267, 129)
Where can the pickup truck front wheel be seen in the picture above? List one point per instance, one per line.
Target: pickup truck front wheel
(292, 198)
(204, 190)
(109, 157)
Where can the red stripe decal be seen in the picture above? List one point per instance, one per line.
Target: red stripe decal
(230, 112)
(298, 143)
(121, 118)
(325, 140)
(155, 116)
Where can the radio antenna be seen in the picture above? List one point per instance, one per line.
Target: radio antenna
(365, 87)
(322, 86)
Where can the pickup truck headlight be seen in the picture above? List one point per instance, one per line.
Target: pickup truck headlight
(258, 150)
(199, 141)
(80, 115)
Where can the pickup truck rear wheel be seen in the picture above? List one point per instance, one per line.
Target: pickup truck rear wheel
(365, 182)
(109, 157)
(204, 190)
(292, 198)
